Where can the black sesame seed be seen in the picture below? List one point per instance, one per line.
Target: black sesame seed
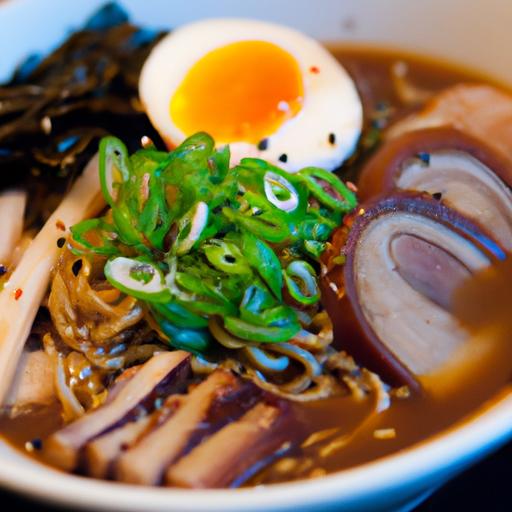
(76, 267)
(3, 270)
(424, 157)
(437, 196)
(263, 144)
(378, 124)
(382, 105)
(332, 138)
(36, 443)
(283, 158)
(60, 242)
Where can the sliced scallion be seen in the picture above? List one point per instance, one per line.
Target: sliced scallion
(139, 279)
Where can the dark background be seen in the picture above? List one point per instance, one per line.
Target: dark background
(485, 487)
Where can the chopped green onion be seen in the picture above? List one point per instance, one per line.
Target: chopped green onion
(137, 278)
(192, 340)
(280, 192)
(191, 227)
(226, 256)
(311, 175)
(207, 242)
(265, 261)
(97, 235)
(115, 167)
(179, 315)
(252, 332)
(307, 292)
(314, 248)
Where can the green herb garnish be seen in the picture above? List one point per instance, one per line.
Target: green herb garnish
(196, 239)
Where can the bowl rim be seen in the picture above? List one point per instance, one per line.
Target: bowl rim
(440, 455)
(444, 453)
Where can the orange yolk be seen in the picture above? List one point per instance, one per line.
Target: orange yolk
(240, 92)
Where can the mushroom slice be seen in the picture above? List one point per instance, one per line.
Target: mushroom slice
(102, 452)
(208, 407)
(391, 303)
(456, 168)
(163, 373)
(228, 457)
(479, 110)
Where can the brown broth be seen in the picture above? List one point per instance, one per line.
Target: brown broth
(451, 395)
(446, 400)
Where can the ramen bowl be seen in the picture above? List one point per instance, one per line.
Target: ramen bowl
(467, 32)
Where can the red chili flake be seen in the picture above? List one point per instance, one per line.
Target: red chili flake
(314, 69)
(60, 225)
(348, 220)
(351, 186)
(18, 293)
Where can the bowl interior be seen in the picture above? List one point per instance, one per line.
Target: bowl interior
(469, 32)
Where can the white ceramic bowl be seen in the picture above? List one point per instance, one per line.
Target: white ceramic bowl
(471, 32)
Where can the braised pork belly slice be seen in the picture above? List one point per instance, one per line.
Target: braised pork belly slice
(482, 111)
(219, 399)
(231, 455)
(391, 305)
(455, 168)
(164, 373)
(102, 452)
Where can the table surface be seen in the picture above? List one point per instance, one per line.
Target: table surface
(485, 487)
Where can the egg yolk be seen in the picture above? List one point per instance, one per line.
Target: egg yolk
(240, 92)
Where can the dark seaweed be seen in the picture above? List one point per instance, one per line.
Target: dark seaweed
(54, 110)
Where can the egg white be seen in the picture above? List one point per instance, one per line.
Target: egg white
(331, 103)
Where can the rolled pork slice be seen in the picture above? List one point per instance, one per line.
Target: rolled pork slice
(201, 415)
(230, 454)
(454, 167)
(481, 111)
(102, 452)
(391, 302)
(164, 373)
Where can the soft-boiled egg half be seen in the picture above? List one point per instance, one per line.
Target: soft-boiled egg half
(266, 90)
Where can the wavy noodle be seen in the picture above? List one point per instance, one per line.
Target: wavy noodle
(71, 407)
(266, 361)
(324, 386)
(98, 331)
(303, 369)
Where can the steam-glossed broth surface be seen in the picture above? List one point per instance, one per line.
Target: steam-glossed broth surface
(445, 400)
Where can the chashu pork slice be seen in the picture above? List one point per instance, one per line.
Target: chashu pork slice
(457, 169)
(164, 373)
(391, 301)
(481, 111)
(235, 452)
(221, 398)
